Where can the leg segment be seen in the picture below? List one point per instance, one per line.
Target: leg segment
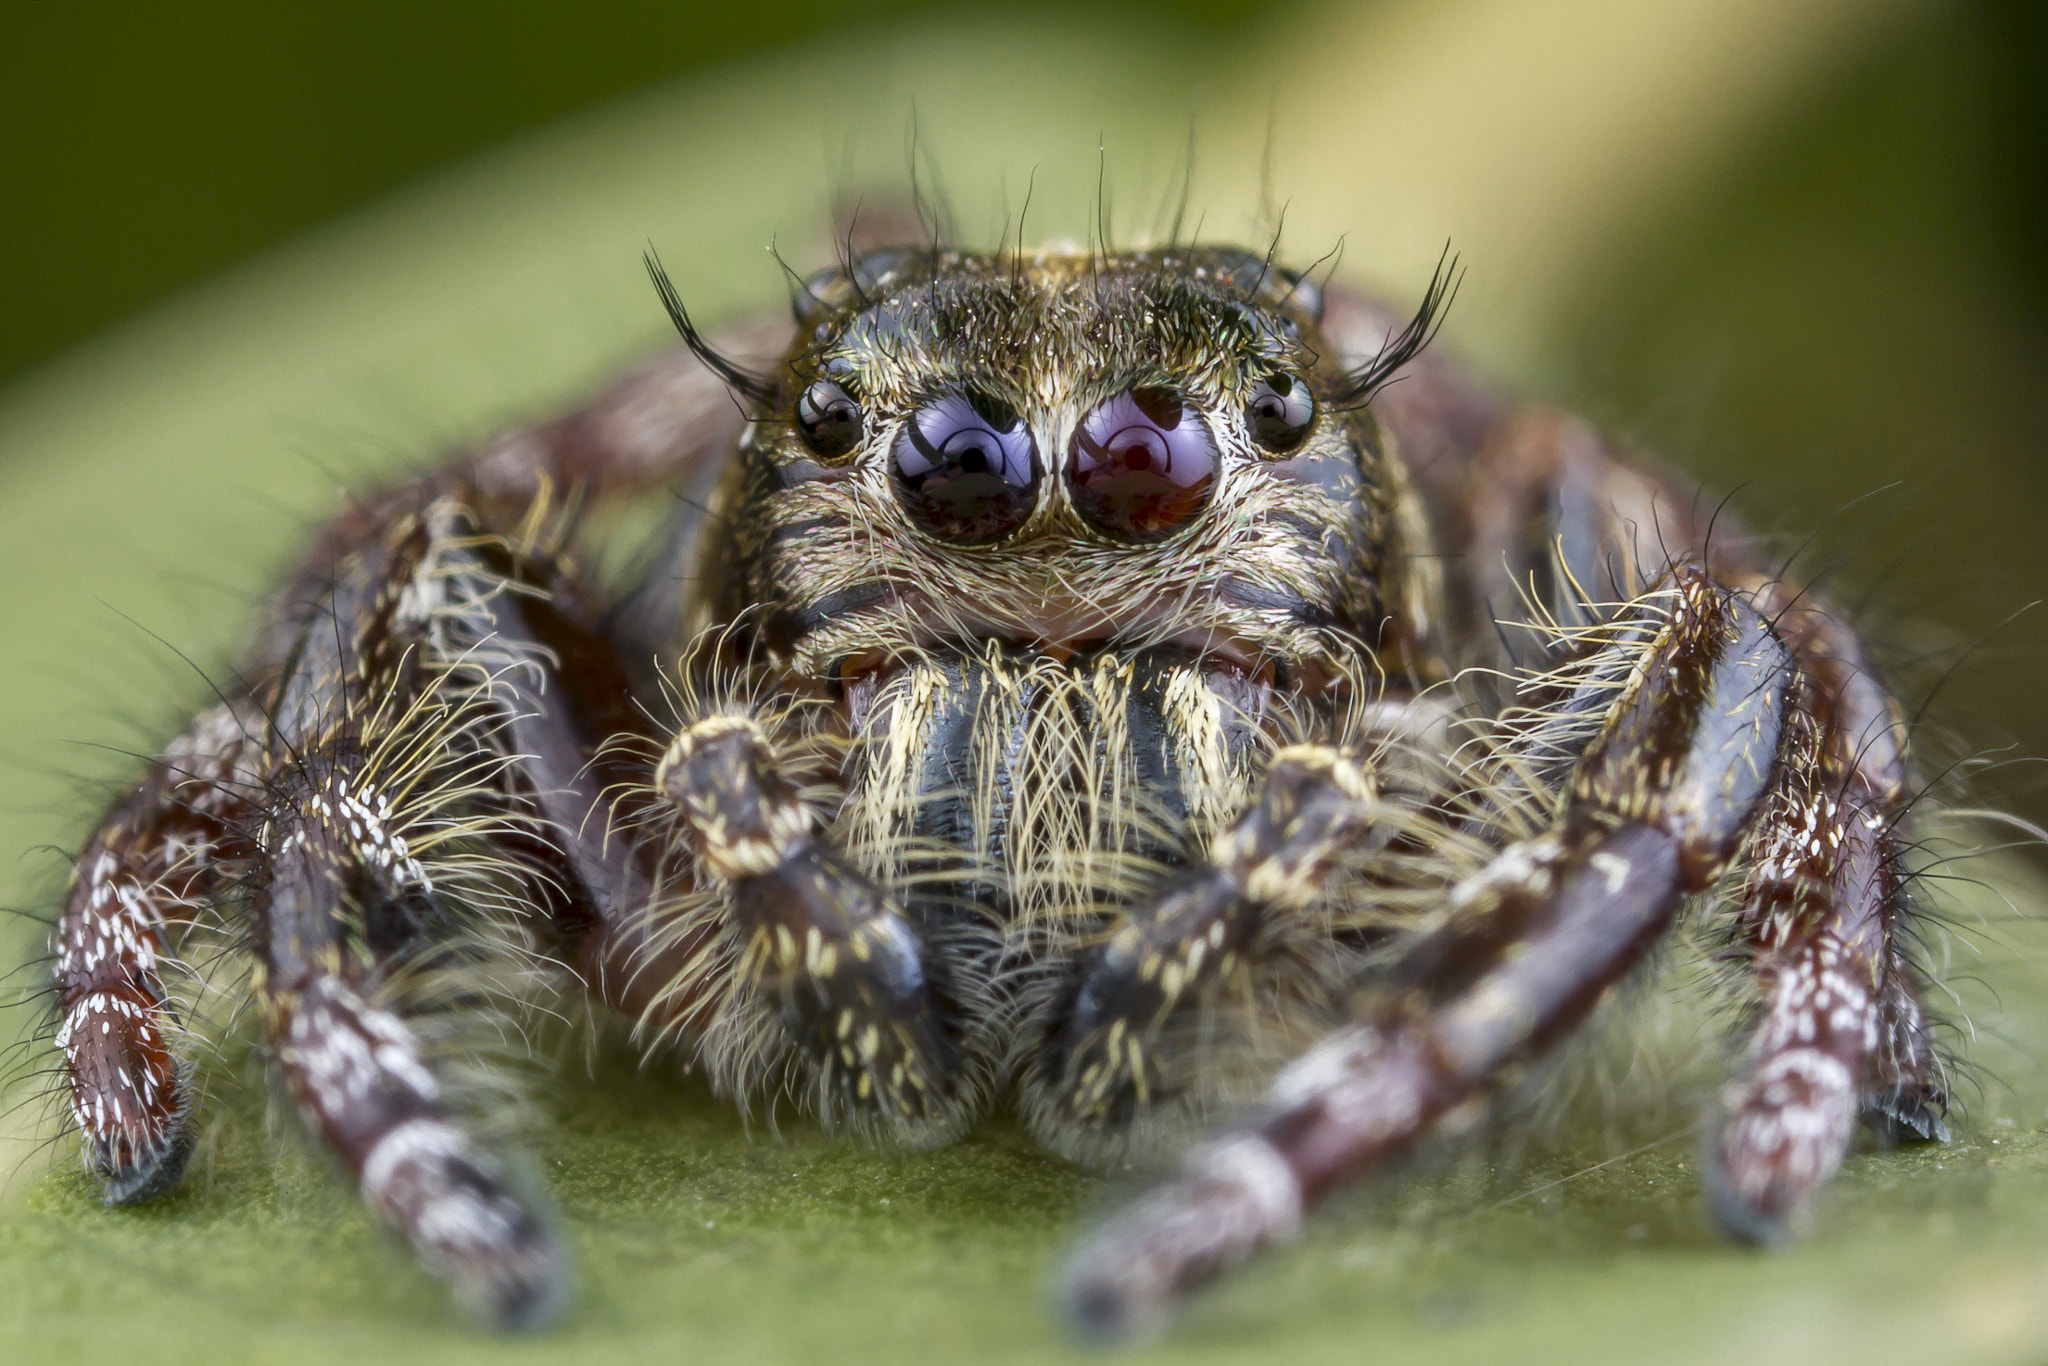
(1817, 897)
(1656, 808)
(357, 1071)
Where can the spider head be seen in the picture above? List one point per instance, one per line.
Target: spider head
(1062, 452)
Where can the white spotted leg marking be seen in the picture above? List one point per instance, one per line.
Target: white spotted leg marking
(1817, 902)
(160, 854)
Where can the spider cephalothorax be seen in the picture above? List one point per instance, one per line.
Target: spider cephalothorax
(1084, 690)
(1065, 451)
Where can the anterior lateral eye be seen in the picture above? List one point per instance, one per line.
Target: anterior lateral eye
(1280, 412)
(1142, 465)
(967, 468)
(828, 419)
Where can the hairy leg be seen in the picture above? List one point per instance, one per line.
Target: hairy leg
(1541, 515)
(168, 847)
(1655, 809)
(1319, 809)
(386, 771)
(1841, 1030)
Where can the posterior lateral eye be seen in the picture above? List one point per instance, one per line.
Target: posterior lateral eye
(1142, 464)
(1280, 412)
(966, 468)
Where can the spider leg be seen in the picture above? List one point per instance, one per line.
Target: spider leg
(844, 969)
(1655, 809)
(358, 1072)
(1539, 510)
(165, 849)
(1319, 806)
(1842, 1027)
(385, 756)
(668, 423)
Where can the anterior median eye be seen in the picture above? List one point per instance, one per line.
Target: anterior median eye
(1279, 412)
(828, 419)
(967, 468)
(1142, 465)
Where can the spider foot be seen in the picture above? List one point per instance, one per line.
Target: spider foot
(501, 1259)
(133, 1173)
(1905, 1114)
(1786, 1131)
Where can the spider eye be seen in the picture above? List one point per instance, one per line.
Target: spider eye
(967, 468)
(1279, 412)
(828, 419)
(1142, 464)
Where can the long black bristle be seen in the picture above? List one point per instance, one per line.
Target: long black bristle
(1405, 345)
(737, 377)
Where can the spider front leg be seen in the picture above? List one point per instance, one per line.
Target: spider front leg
(844, 973)
(1655, 808)
(357, 1070)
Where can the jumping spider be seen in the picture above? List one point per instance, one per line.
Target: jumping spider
(1075, 683)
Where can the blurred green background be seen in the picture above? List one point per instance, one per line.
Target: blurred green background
(254, 253)
(150, 146)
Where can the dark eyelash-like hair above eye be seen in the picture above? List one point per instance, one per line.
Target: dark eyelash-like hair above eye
(1405, 345)
(737, 377)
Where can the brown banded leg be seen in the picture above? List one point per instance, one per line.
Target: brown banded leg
(1841, 1029)
(167, 847)
(335, 869)
(390, 742)
(1815, 898)
(845, 972)
(1656, 807)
